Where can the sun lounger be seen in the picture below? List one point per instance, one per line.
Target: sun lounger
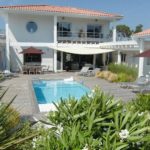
(146, 89)
(83, 71)
(141, 81)
(92, 72)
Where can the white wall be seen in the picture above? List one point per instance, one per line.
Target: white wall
(44, 33)
(47, 58)
(131, 60)
(16, 59)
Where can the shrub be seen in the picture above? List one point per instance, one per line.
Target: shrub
(112, 77)
(97, 121)
(126, 73)
(141, 102)
(108, 76)
(122, 77)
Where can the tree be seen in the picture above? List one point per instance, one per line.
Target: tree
(124, 30)
(138, 28)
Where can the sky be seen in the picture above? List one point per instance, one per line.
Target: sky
(135, 12)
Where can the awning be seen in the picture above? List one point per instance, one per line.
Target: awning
(32, 50)
(144, 54)
(83, 51)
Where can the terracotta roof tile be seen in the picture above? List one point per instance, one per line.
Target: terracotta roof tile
(61, 9)
(143, 33)
(32, 50)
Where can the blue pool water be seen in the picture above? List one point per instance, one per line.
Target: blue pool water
(48, 91)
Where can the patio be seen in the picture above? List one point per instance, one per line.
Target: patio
(26, 104)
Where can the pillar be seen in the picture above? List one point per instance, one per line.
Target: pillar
(55, 61)
(7, 51)
(61, 57)
(94, 61)
(55, 29)
(114, 33)
(55, 43)
(119, 58)
(141, 59)
(104, 59)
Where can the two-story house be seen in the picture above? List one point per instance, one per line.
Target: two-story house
(67, 37)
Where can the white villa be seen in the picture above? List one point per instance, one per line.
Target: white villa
(68, 37)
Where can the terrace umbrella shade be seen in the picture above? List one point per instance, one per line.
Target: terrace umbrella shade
(32, 50)
(144, 54)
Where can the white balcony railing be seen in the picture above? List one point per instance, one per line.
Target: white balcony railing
(80, 37)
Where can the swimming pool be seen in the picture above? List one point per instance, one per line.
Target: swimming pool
(48, 91)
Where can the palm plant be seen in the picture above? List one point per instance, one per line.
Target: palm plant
(12, 130)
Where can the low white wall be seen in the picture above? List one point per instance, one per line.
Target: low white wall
(2, 58)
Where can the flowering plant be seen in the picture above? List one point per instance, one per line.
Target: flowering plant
(95, 122)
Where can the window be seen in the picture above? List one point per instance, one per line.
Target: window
(148, 61)
(94, 31)
(31, 27)
(63, 29)
(32, 58)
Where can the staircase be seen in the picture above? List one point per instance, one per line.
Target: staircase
(16, 64)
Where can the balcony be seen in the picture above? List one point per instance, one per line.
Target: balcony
(80, 37)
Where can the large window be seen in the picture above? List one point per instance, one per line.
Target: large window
(94, 31)
(31, 58)
(63, 29)
(148, 61)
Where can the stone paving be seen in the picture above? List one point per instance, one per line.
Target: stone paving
(27, 105)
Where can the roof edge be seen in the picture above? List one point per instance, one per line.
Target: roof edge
(117, 16)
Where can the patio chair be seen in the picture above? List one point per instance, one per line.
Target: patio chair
(83, 71)
(39, 70)
(32, 70)
(24, 70)
(45, 69)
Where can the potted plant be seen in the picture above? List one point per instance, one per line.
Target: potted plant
(81, 33)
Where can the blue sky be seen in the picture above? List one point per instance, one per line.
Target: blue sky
(134, 11)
